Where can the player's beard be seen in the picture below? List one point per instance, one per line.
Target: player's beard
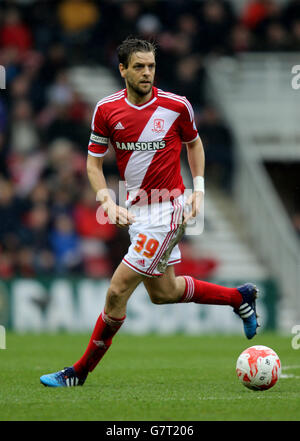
(137, 90)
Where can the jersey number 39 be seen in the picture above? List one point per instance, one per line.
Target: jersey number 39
(148, 245)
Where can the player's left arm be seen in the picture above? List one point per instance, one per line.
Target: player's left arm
(196, 160)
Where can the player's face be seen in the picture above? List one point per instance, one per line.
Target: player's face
(139, 75)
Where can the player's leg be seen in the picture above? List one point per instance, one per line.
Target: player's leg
(171, 289)
(123, 283)
(165, 289)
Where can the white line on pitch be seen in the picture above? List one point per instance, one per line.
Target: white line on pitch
(291, 367)
(289, 376)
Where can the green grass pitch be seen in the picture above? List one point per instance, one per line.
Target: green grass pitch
(145, 378)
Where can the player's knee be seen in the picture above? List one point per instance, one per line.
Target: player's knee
(116, 295)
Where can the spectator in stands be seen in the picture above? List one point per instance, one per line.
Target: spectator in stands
(62, 126)
(6, 264)
(85, 215)
(67, 116)
(215, 24)
(166, 57)
(100, 239)
(218, 143)
(189, 80)
(54, 62)
(295, 37)
(65, 245)
(78, 109)
(26, 170)
(25, 161)
(188, 24)
(64, 160)
(40, 194)
(78, 19)
(273, 15)
(62, 201)
(14, 33)
(77, 16)
(276, 38)
(24, 137)
(45, 24)
(63, 175)
(19, 88)
(60, 92)
(3, 115)
(240, 40)
(3, 155)
(12, 209)
(38, 224)
(291, 12)
(24, 262)
(172, 48)
(148, 26)
(255, 12)
(129, 13)
(9, 57)
(296, 222)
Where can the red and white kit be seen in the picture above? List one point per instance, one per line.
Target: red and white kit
(147, 140)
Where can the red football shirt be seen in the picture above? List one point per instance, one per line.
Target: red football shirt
(147, 139)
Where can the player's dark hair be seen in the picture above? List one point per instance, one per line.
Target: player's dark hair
(132, 45)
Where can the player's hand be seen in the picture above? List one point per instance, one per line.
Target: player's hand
(194, 201)
(118, 215)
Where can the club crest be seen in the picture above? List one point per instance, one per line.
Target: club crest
(158, 125)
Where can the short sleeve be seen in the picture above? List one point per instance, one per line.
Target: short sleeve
(187, 125)
(98, 144)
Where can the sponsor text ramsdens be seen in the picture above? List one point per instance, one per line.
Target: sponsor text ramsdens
(151, 145)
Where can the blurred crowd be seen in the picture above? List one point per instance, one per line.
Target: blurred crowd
(47, 208)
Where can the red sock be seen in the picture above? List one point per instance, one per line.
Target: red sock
(106, 327)
(198, 291)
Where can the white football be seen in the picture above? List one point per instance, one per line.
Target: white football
(258, 368)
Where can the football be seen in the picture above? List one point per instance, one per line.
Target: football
(258, 368)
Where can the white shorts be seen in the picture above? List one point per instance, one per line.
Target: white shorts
(155, 225)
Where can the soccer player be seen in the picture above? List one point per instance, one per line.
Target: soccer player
(146, 127)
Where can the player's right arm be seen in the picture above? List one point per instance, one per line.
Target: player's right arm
(97, 149)
(117, 215)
